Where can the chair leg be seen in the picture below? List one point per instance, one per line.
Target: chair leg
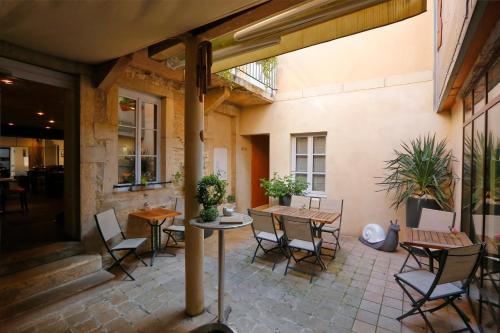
(140, 258)
(462, 315)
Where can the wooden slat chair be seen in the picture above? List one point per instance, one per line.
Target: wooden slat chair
(264, 230)
(299, 236)
(300, 201)
(108, 227)
(430, 220)
(177, 224)
(457, 268)
(332, 206)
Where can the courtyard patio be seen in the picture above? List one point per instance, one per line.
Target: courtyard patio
(356, 294)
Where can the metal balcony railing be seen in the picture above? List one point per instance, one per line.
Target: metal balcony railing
(261, 74)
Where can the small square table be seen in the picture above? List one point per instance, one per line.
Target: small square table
(153, 217)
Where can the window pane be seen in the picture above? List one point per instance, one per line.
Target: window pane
(480, 94)
(126, 140)
(301, 163)
(148, 142)
(494, 80)
(318, 183)
(466, 183)
(301, 145)
(478, 151)
(319, 163)
(492, 218)
(468, 106)
(126, 170)
(148, 116)
(126, 111)
(319, 145)
(302, 176)
(148, 169)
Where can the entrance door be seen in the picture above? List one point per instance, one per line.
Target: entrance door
(260, 168)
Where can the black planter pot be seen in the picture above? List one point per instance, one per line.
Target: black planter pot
(285, 200)
(414, 207)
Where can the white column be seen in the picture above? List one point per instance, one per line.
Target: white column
(193, 168)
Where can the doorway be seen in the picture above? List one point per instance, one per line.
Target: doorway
(260, 168)
(39, 169)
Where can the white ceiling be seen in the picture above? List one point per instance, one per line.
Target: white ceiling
(93, 31)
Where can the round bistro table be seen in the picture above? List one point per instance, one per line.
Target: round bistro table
(221, 324)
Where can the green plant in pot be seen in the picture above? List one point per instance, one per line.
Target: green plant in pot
(283, 188)
(420, 176)
(210, 192)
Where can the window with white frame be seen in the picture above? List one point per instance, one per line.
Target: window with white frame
(138, 137)
(309, 160)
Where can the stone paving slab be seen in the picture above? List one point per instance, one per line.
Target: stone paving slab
(357, 293)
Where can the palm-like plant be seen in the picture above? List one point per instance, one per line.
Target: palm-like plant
(422, 169)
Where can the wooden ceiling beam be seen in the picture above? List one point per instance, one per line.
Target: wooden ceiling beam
(107, 74)
(141, 60)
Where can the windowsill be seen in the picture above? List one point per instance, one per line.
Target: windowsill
(316, 194)
(139, 187)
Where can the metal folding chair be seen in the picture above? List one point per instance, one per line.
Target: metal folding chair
(332, 206)
(108, 227)
(177, 225)
(457, 268)
(430, 220)
(299, 236)
(264, 230)
(300, 201)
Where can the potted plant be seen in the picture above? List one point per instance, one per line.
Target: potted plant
(283, 188)
(420, 176)
(210, 192)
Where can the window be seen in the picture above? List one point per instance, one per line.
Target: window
(309, 160)
(138, 120)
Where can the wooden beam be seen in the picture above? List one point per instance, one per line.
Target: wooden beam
(215, 97)
(141, 60)
(225, 25)
(107, 74)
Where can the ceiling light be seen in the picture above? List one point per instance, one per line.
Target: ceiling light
(40, 113)
(7, 81)
(10, 124)
(52, 121)
(47, 127)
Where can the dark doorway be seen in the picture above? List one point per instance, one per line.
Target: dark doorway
(34, 175)
(260, 168)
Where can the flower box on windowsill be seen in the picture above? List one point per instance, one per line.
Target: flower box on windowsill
(139, 187)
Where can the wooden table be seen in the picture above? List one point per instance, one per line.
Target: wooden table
(153, 217)
(433, 240)
(316, 216)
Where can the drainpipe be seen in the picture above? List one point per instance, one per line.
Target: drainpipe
(193, 169)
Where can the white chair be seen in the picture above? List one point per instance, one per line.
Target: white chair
(332, 206)
(299, 236)
(430, 220)
(108, 227)
(300, 201)
(264, 230)
(457, 269)
(177, 225)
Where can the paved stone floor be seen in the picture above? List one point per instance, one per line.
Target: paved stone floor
(356, 294)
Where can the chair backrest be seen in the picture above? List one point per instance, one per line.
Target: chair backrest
(108, 224)
(459, 264)
(262, 221)
(297, 228)
(180, 207)
(331, 205)
(436, 220)
(300, 201)
(315, 203)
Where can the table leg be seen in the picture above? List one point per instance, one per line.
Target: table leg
(431, 260)
(153, 245)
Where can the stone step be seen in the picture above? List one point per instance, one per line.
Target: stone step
(24, 284)
(21, 260)
(54, 295)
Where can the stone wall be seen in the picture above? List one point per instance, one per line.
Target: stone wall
(99, 142)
